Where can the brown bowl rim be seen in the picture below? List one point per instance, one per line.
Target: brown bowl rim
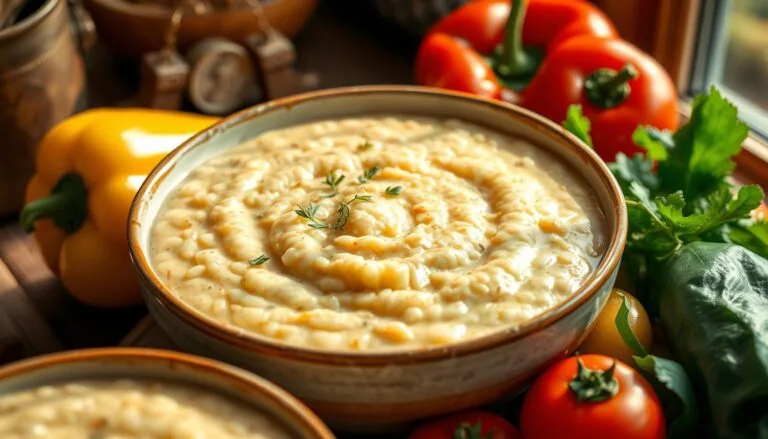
(231, 374)
(254, 343)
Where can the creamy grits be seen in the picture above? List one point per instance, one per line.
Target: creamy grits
(129, 409)
(380, 233)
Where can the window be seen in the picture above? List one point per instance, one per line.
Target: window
(703, 42)
(732, 53)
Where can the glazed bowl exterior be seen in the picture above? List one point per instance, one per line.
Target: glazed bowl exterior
(154, 364)
(370, 391)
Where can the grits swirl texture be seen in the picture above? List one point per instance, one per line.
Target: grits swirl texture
(488, 232)
(129, 409)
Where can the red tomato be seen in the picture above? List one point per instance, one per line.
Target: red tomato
(629, 411)
(467, 425)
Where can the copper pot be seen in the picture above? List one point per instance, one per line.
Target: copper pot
(42, 79)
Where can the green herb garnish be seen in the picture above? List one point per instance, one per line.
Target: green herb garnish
(309, 213)
(333, 181)
(342, 213)
(578, 124)
(369, 174)
(393, 190)
(259, 260)
(365, 145)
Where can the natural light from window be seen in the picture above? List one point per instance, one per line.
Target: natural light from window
(739, 62)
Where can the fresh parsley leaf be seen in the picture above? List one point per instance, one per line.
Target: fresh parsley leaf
(721, 208)
(636, 169)
(701, 156)
(655, 142)
(577, 124)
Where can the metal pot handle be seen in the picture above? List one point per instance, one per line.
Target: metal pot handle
(83, 26)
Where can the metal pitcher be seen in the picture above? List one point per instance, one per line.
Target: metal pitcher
(42, 81)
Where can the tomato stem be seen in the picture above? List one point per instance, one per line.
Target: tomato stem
(607, 88)
(67, 206)
(594, 385)
(513, 62)
(466, 431)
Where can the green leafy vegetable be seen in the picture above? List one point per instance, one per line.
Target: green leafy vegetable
(577, 124)
(752, 236)
(638, 168)
(655, 142)
(668, 378)
(714, 310)
(701, 151)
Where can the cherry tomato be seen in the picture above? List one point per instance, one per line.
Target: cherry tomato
(591, 397)
(466, 425)
(605, 338)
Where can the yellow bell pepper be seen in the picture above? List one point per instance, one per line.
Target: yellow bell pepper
(88, 169)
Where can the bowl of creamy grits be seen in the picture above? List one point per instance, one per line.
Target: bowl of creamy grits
(145, 393)
(385, 253)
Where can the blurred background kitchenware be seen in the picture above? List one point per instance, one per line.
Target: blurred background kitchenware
(132, 28)
(42, 79)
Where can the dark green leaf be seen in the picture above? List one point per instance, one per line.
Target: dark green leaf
(636, 169)
(675, 390)
(656, 143)
(672, 384)
(577, 124)
(713, 302)
(752, 236)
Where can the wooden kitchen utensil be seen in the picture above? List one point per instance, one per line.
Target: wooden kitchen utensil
(275, 58)
(164, 73)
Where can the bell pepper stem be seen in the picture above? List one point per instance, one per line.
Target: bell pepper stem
(513, 61)
(67, 206)
(608, 88)
(593, 385)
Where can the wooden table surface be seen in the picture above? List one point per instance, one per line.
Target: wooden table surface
(344, 46)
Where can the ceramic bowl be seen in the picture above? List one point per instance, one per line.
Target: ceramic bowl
(371, 391)
(154, 364)
(131, 28)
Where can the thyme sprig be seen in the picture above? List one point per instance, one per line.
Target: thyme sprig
(342, 213)
(333, 181)
(259, 260)
(393, 190)
(309, 213)
(369, 174)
